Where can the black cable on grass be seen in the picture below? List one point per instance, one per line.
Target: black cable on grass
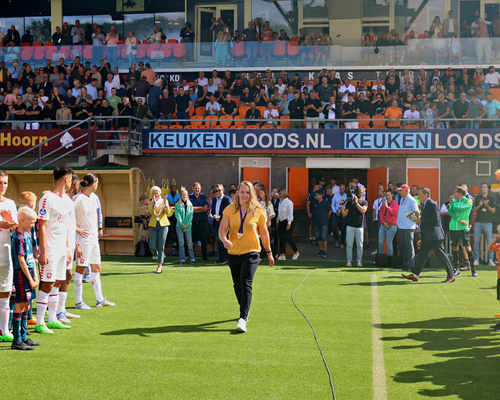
(315, 336)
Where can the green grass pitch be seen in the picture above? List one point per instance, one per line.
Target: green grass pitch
(171, 336)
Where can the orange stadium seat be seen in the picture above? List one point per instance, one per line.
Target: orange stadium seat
(377, 124)
(211, 120)
(225, 121)
(243, 111)
(283, 121)
(199, 111)
(364, 121)
(412, 126)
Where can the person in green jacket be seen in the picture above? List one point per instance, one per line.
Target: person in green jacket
(184, 214)
(459, 211)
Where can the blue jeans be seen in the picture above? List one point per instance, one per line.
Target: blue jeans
(479, 228)
(157, 236)
(181, 116)
(221, 52)
(354, 234)
(331, 125)
(473, 125)
(166, 117)
(252, 48)
(340, 222)
(389, 234)
(321, 232)
(111, 52)
(181, 235)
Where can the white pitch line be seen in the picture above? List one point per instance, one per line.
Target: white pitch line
(379, 383)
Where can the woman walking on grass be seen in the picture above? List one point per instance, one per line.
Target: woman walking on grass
(242, 223)
(159, 210)
(184, 215)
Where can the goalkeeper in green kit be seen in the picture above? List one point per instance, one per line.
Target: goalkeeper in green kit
(459, 211)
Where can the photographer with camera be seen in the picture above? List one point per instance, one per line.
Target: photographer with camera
(354, 208)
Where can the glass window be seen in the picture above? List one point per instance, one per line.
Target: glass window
(417, 15)
(106, 21)
(84, 20)
(171, 23)
(6, 23)
(315, 9)
(281, 15)
(141, 24)
(377, 8)
(39, 28)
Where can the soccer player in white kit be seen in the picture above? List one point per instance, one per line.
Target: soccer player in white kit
(87, 237)
(54, 214)
(8, 221)
(62, 314)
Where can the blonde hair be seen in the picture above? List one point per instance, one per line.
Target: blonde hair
(253, 203)
(25, 212)
(27, 198)
(264, 190)
(188, 202)
(284, 193)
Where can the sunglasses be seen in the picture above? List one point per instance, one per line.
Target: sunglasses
(217, 191)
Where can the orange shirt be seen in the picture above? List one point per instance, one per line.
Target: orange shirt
(249, 242)
(267, 35)
(393, 113)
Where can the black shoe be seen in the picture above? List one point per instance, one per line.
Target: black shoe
(21, 346)
(496, 327)
(205, 258)
(30, 342)
(218, 262)
(192, 262)
(457, 272)
(223, 262)
(474, 272)
(183, 262)
(464, 265)
(28, 333)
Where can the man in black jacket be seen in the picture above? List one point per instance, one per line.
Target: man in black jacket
(432, 237)
(220, 202)
(296, 108)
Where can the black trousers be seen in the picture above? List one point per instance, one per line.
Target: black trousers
(243, 268)
(286, 236)
(423, 255)
(199, 233)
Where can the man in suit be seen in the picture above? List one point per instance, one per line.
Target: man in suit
(220, 202)
(432, 237)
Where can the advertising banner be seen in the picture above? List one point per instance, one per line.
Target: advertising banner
(401, 141)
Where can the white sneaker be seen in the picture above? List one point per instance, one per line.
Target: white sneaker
(348, 264)
(374, 252)
(71, 316)
(359, 265)
(155, 257)
(295, 256)
(82, 306)
(337, 244)
(105, 303)
(491, 263)
(282, 258)
(241, 326)
(476, 262)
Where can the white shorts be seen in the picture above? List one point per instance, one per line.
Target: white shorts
(69, 265)
(91, 254)
(55, 270)
(6, 276)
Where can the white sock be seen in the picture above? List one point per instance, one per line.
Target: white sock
(4, 316)
(53, 302)
(95, 278)
(62, 302)
(78, 283)
(42, 301)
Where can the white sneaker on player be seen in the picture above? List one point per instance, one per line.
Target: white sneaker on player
(82, 306)
(241, 326)
(476, 262)
(62, 317)
(491, 263)
(295, 256)
(282, 258)
(71, 316)
(105, 303)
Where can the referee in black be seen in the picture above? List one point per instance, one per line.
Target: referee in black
(432, 237)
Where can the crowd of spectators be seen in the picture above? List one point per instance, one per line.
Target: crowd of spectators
(423, 99)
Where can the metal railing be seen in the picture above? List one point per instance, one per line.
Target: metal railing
(91, 143)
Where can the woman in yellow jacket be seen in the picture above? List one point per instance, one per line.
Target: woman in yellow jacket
(159, 210)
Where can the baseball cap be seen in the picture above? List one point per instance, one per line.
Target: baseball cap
(404, 186)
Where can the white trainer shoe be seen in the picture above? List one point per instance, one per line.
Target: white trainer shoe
(105, 303)
(282, 258)
(476, 262)
(491, 263)
(359, 264)
(82, 306)
(348, 264)
(241, 326)
(295, 256)
(70, 315)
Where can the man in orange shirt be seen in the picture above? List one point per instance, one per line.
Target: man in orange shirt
(149, 74)
(394, 113)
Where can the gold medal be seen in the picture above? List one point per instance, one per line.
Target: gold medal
(240, 235)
